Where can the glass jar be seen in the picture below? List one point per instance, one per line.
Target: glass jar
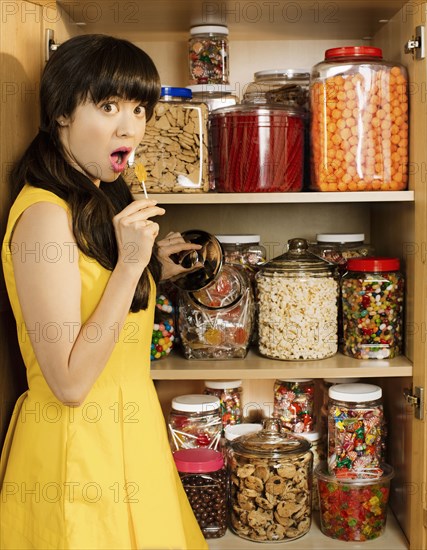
(294, 404)
(174, 149)
(284, 86)
(229, 393)
(243, 250)
(372, 301)
(208, 54)
(164, 328)
(359, 122)
(314, 438)
(204, 479)
(340, 247)
(258, 148)
(270, 486)
(195, 421)
(214, 96)
(297, 305)
(232, 432)
(355, 430)
(217, 321)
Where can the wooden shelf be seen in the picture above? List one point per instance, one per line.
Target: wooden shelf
(256, 367)
(285, 198)
(392, 538)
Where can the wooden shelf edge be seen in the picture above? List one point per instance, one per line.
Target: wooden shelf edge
(256, 367)
(283, 198)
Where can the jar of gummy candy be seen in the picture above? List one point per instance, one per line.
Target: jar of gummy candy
(372, 307)
(294, 403)
(163, 329)
(208, 54)
(355, 430)
(229, 393)
(359, 121)
(195, 421)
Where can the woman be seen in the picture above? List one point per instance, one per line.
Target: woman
(86, 462)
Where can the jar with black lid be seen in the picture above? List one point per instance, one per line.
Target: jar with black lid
(270, 485)
(372, 307)
(297, 305)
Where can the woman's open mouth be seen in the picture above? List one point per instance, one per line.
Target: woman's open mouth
(119, 158)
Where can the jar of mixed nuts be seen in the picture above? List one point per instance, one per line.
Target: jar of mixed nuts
(204, 479)
(372, 302)
(208, 54)
(195, 421)
(270, 485)
(297, 305)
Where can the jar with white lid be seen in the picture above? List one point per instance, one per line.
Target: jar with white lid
(355, 430)
(214, 96)
(232, 432)
(208, 55)
(285, 86)
(315, 439)
(229, 393)
(195, 421)
(339, 247)
(294, 404)
(243, 250)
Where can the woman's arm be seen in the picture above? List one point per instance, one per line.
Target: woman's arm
(50, 292)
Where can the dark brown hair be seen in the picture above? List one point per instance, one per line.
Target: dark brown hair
(94, 67)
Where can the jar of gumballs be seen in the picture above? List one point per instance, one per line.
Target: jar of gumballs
(163, 329)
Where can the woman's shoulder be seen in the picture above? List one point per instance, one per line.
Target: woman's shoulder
(30, 195)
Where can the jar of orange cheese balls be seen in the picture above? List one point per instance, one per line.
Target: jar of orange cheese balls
(359, 122)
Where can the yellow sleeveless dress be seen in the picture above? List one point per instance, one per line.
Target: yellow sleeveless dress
(98, 476)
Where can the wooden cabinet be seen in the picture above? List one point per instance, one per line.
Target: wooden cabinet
(278, 34)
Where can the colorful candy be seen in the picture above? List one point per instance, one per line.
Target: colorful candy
(163, 329)
(293, 404)
(230, 396)
(208, 55)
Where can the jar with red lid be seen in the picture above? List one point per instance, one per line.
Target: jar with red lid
(204, 478)
(372, 307)
(359, 122)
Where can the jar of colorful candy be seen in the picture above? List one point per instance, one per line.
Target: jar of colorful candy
(208, 54)
(359, 121)
(372, 302)
(297, 305)
(163, 329)
(229, 393)
(353, 509)
(293, 404)
(355, 430)
(195, 421)
(204, 479)
(243, 250)
(217, 321)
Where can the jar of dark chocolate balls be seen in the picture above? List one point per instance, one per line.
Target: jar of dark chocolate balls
(204, 479)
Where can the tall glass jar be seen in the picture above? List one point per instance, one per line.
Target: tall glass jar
(229, 393)
(270, 489)
(359, 122)
(373, 304)
(355, 430)
(294, 404)
(195, 421)
(208, 54)
(297, 305)
(204, 479)
(284, 86)
(174, 149)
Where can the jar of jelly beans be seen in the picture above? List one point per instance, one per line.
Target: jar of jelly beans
(355, 430)
(294, 404)
(204, 479)
(195, 421)
(229, 393)
(208, 54)
(372, 307)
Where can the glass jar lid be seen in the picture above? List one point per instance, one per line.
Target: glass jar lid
(271, 442)
(282, 74)
(373, 264)
(196, 403)
(340, 238)
(224, 292)
(355, 393)
(298, 262)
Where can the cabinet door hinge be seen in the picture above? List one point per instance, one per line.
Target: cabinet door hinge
(416, 399)
(416, 46)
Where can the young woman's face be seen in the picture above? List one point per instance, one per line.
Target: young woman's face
(98, 138)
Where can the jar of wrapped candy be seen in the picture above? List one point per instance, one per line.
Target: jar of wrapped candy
(359, 121)
(243, 250)
(372, 302)
(163, 329)
(217, 321)
(353, 509)
(297, 305)
(208, 54)
(355, 430)
(195, 421)
(271, 478)
(338, 248)
(204, 479)
(229, 393)
(294, 403)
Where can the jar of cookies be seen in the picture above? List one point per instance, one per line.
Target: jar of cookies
(195, 421)
(297, 305)
(359, 121)
(204, 479)
(270, 485)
